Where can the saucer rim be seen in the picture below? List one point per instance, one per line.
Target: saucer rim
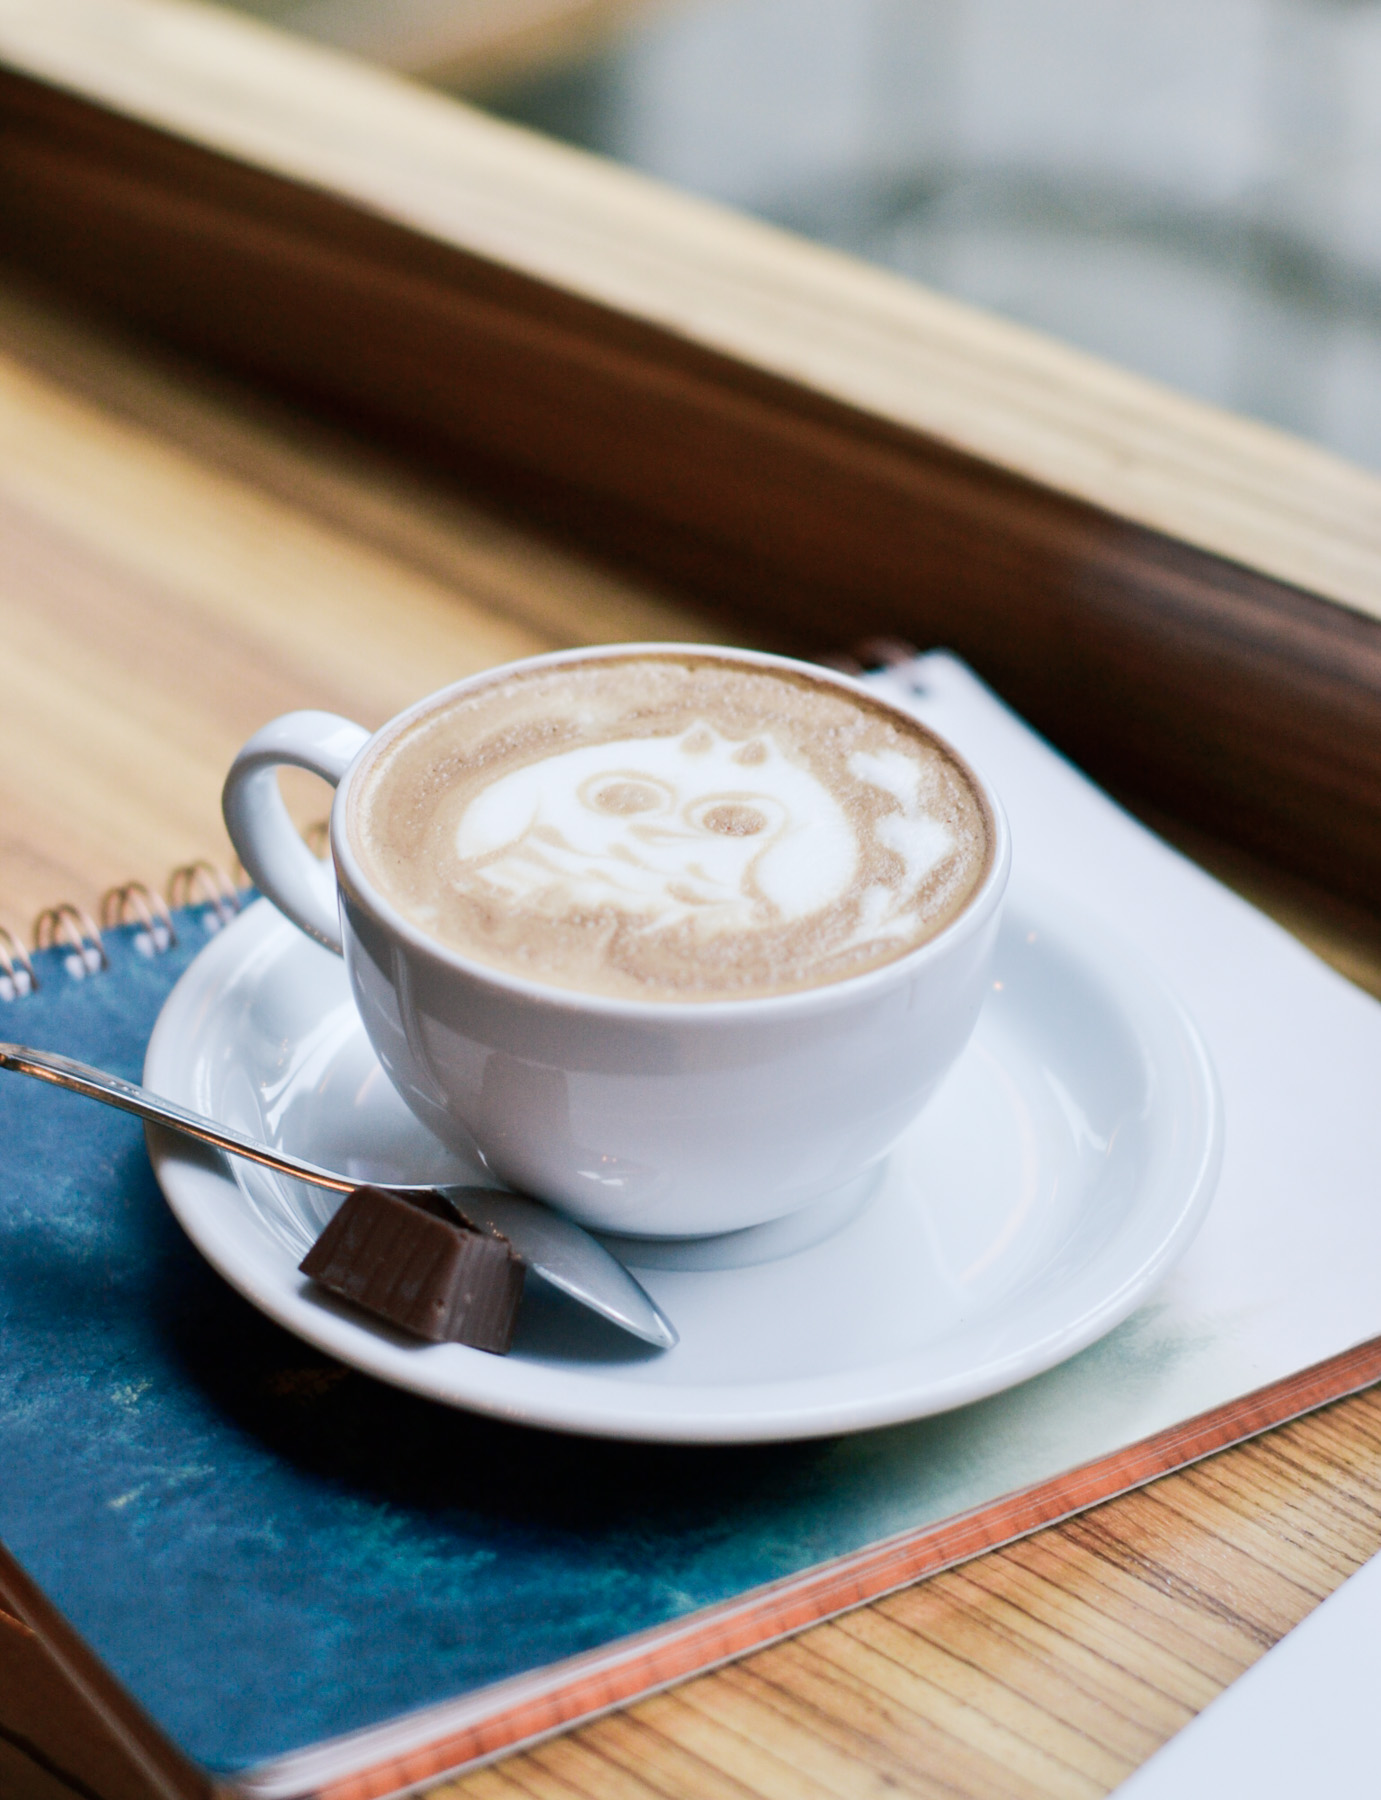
(578, 1401)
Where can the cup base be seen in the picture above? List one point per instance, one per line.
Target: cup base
(800, 1230)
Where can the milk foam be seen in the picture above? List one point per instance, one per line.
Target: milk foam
(666, 830)
(671, 827)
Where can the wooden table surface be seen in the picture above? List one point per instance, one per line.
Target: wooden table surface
(182, 561)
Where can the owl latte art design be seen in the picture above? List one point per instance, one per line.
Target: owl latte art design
(671, 828)
(697, 827)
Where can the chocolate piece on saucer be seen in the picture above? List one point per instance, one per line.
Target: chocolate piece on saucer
(419, 1265)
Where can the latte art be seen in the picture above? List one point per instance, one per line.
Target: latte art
(698, 828)
(671, 827)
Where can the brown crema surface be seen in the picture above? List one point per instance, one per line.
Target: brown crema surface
(410, 799)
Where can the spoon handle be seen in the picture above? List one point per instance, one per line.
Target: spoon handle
(96, 1084)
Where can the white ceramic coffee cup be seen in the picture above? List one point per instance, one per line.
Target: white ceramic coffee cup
(640, 1117)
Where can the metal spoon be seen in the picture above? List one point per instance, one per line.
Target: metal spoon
(556, 1248)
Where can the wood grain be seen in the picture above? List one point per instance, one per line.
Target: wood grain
(1049, 1668)
(451, 1737)
(1046, 1671)
(806, 443)
(180, 565)
(856, 334)
(172, 543)
(184, 557)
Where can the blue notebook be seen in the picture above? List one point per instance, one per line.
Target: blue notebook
(269, 1549)
(304, 1577)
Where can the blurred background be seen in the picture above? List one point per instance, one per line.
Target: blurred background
(1189, 187)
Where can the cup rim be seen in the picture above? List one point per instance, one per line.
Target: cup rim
(357, 887)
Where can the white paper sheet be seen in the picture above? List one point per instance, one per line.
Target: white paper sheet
(1287, 1269)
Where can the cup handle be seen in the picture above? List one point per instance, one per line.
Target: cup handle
(266, 841)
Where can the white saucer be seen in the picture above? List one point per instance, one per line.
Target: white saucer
(1061, 1170)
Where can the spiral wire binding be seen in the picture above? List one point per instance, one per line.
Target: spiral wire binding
(201, 884)
(65, 924)
(205, 884)
(149, 911)
(17, 976)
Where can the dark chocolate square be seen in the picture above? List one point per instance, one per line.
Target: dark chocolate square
(435, 1278)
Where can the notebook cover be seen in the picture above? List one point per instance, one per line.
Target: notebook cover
(274, 1554)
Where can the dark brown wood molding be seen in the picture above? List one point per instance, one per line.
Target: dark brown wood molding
(1234, 701)
(67, 1717)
